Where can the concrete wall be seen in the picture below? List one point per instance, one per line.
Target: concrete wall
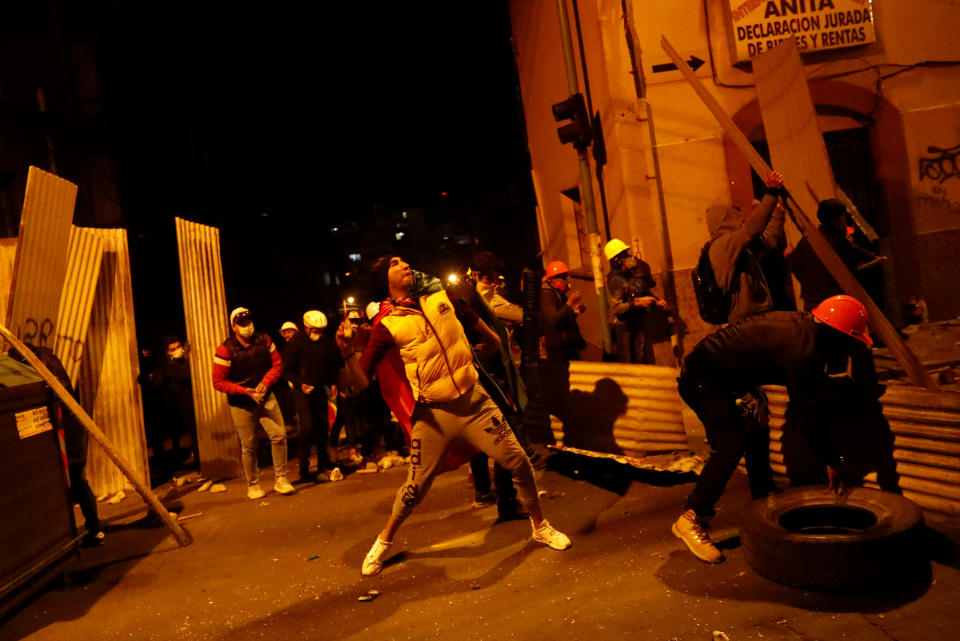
(667, 157)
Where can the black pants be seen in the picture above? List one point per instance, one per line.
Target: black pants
(733, 431)
(314, 428)
(81, 493)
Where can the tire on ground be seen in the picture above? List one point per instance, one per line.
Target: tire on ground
(859, 556)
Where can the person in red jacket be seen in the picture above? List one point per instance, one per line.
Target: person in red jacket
(244, 367)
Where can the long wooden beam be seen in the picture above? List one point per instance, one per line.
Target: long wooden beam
(820, 246)
(181, 535)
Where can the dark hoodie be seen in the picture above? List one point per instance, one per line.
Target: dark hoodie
(732, 235)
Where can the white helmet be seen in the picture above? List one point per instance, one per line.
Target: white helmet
(314, 319)
(289, 325)
(372, 310)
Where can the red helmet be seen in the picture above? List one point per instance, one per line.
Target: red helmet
(557, 268)
(846, 314)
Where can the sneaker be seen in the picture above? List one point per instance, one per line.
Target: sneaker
(692, 531)
(282, 486)
(254, 492)
(92, 539)
(373, 562)
(484, 500)
(551, 536)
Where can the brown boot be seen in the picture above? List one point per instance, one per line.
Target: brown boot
(692, 531)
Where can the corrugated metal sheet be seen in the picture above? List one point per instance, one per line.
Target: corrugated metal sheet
(620, 408)
(41, 260)
(926, 429)
(205, 308)
(76, 302)
(8, 254)
(109, 369)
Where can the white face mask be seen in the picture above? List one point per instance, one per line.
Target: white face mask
(314, 337)
(177, 353)
(246, 332)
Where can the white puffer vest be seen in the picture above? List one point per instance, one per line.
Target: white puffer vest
(436, 355)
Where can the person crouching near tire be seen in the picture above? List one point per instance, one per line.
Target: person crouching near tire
(797, 349)
(425, 327)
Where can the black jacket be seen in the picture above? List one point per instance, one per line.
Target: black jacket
(559, 325)
(307, 362)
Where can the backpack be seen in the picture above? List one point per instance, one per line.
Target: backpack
(712, 302)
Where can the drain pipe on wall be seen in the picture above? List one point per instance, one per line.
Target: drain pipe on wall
(653, 164)
(586, 186)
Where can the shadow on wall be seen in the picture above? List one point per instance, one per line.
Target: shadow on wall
(587, 417)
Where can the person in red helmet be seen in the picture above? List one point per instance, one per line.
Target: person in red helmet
(814, 355)
(559, 309)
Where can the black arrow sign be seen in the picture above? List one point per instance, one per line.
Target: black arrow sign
(694, 63)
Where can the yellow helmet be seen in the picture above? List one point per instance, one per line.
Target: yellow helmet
(614, 248)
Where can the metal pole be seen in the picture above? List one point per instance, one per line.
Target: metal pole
(586, 185)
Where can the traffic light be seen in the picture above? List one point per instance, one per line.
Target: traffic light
(578, 131)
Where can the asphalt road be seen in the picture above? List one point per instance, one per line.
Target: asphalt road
(289, 568)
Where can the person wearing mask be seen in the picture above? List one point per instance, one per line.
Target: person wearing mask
(245, 366)
(800, 350)
(171, 378)
(629, 290)
(420, 323)
(288, 330)
(311, 363)
(559, 310)
(487, 269)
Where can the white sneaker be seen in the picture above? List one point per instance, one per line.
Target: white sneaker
(373, 562)
(254, 492)
(282, 486)
(551, 536)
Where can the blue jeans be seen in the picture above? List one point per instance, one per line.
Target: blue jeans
(268, 415)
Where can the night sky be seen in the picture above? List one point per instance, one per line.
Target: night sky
(278, 122)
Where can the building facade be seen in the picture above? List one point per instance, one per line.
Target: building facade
(884, 76)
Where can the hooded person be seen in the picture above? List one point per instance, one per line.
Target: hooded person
(737, 242)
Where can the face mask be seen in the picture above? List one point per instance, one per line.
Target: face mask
(560, 284)
(246, 332)
(177, 354)
(314, 337)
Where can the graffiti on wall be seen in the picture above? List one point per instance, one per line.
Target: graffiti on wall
(938, 166)
(40, 333)
(941, 165)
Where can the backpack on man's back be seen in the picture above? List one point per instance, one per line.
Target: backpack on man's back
(713, 302)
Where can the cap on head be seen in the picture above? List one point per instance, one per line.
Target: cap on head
(614, 248)
(845, 314)
(289, 325)
(240, 316)
(557, 268)
(314, 319)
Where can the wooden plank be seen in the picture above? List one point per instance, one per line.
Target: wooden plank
(181, 535)
(830, 260)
